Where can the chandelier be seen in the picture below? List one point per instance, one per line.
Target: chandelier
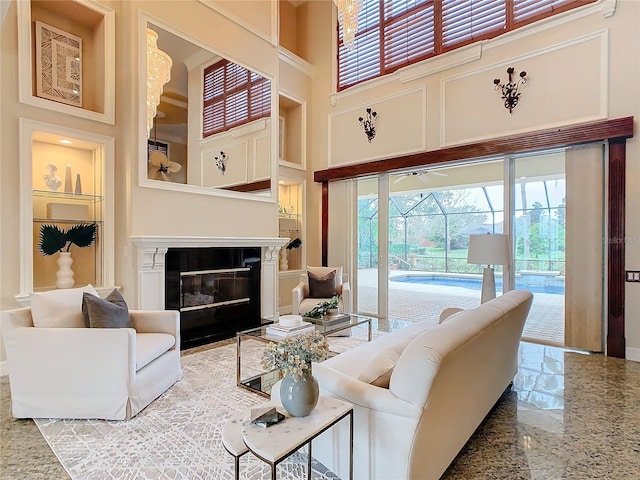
(158, 73)
(348, 11)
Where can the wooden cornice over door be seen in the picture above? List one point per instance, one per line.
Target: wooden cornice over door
(613, 131)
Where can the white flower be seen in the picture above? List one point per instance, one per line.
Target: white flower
(294, 354)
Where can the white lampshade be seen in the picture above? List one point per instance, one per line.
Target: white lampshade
(489, 250)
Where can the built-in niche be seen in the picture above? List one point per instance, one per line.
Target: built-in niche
(291, 224)
(291, 132)
(67, 180)
(67, 57)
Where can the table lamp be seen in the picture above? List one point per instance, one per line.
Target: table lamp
(489, 250)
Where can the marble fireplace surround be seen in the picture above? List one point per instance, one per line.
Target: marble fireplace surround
(151, 252)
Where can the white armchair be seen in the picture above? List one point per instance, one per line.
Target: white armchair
(105, 373)
(301, 302)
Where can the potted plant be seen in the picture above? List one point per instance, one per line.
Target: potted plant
(55, 240)
(299, 389)
(323, 308)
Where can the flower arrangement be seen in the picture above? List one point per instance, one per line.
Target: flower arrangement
(323, 307)
(294, 354)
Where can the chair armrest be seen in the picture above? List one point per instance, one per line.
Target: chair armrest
(297, 295)
(157, 321)
(77, 360)
(363, 394)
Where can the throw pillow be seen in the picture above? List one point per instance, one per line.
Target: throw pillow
(110, 312)
(378, 371)
(322, 286)
(59, 308)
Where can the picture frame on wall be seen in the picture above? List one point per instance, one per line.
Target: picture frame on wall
(58, 65)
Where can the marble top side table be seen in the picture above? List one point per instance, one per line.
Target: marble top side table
(277, 442)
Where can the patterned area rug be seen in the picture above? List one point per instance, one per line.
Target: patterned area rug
(178, 436)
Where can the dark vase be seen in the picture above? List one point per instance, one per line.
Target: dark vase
(299, 398)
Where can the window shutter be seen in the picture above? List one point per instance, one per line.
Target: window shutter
(233, 96)
(464, 21)
(408, 35)
(395, 33)
(527, 11)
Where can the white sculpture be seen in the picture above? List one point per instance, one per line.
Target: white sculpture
(50, 178)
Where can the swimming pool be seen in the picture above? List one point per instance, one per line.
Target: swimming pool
(472, 283)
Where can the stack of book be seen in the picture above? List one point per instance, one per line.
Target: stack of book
(278, 330)
(265, 417)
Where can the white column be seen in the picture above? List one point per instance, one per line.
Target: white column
(151, 277)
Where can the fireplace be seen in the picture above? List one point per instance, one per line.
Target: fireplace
(216, 291)
(220, 282)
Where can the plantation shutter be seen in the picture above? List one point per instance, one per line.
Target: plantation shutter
(233, 96)
(464, 21)
(363, 61)
(396, 33)
(408, 34)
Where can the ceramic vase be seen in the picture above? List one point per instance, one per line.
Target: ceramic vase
(300, 397)
(64, 275)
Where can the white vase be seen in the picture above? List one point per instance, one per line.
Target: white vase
(64, 275)
(284, 261)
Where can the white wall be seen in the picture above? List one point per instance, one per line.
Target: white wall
(140, 210)
(581, 66)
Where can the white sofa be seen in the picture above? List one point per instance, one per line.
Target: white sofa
(105, 373)
(445, 380)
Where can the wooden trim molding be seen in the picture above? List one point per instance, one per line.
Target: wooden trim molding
(615, 248)
(615, 131)
(541, 139)
(325, 223)
(250, 187)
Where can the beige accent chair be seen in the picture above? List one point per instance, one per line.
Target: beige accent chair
(301, 303)
(103, 373)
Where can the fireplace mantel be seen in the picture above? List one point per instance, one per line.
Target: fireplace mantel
(151, 251)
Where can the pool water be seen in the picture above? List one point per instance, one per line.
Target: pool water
(472, 283)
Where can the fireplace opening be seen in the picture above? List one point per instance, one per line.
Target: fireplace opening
(216, 290)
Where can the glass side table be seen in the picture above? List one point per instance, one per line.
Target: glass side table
(261, 383)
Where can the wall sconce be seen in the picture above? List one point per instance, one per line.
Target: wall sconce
(509, 90)
(368, 124)
(221, 162)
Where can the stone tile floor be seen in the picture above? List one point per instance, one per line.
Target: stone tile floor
(569, 416)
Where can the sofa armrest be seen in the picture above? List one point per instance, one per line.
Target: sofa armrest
(362, 394)
(297, 295)
(67, 361)
(447, 312)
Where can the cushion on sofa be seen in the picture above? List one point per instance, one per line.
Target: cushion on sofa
(150, 346)
(322, 286)
(110, 312)
(60, 308)
(378, 370)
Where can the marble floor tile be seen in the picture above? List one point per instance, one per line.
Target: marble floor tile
(568, 416)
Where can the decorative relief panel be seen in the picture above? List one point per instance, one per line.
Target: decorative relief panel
(400, 129)
(567, 83)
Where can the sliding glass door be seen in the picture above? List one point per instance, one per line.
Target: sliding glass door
(414, 227)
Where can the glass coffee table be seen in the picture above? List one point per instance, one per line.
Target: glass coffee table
(261, 382)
